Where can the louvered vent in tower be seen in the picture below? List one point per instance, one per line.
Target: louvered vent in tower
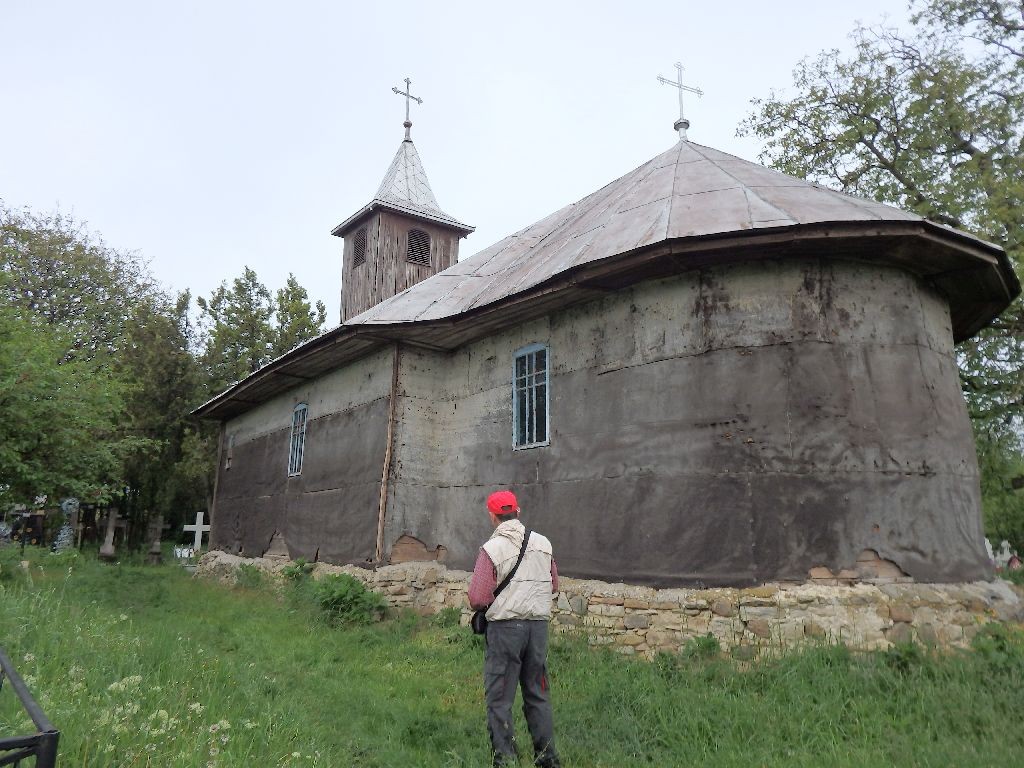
(359, 248)
(419, 247)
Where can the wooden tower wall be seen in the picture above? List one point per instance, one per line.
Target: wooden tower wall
(387, 270)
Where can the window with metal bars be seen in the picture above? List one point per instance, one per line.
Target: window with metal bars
(530, 412)
(419, 247)
(359, 247)
(296, 446)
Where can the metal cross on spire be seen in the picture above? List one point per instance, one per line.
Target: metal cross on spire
(682, 123)
(408, 95)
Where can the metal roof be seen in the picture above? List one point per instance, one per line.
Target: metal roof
(687, 208)
(406, 189)
(688, 191)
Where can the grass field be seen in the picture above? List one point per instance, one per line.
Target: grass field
(143, 666)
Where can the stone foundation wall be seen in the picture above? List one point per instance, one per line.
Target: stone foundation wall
(770, 618)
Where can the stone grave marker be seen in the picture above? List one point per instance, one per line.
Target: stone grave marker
(156, 527)
(66, 535)
(107, 551)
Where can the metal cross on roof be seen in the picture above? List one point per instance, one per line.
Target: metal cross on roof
(682, 123)
(408, 95)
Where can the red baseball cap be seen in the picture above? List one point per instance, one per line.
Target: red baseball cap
(502, 502)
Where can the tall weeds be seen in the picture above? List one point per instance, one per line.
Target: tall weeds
(149, 667)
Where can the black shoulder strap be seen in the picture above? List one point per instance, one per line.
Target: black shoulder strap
(508, 578)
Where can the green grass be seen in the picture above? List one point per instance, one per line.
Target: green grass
(146, 666)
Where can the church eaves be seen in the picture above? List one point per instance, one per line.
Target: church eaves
(406, 189)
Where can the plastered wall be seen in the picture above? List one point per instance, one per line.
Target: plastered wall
(329, 511)
(729, 426)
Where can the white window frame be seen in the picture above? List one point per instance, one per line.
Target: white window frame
(297, 439)
(530, 390)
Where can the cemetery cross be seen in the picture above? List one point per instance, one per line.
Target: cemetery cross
(198, 529)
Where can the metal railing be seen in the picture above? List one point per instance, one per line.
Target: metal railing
(42, 745)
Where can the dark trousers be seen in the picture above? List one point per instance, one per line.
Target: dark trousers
(517, 655)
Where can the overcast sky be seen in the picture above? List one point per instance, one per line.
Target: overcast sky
(212, 135)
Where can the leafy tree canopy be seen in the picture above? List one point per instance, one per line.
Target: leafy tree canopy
(61, 275)
(244, 328)
(58, 416)
(297, 320)
(96, 377)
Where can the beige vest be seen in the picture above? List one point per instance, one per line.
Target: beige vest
(528, 595)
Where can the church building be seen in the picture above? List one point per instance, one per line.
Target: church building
(704, 373)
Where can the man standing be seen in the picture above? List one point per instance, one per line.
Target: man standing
(517, 630)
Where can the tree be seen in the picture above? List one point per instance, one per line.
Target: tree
(96, 374)
(932, 122)
(239, 337)
(244, 329)
(163, 383)
(62, 275)
(58, 416)
(296, 320)
(65, 301)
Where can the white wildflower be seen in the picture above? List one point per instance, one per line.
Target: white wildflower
(29, 658)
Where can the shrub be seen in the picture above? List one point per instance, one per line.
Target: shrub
(345, 599)
(63, 559)
(1014, 577)
(248, 576)
(1000, 646)
(299, 569)
(447, 618)
(706, 647)
(905, 658)
(11, 572)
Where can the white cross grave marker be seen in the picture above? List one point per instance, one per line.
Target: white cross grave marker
(198, 529)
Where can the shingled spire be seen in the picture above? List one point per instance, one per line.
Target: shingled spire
(400, 237)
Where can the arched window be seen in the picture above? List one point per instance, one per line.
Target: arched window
(298, 440)
(359, 247)
(419, 247)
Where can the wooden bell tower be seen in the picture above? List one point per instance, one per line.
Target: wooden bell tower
(401, 237)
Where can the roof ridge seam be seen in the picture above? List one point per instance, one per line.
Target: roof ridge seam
(672, 195)
(745, 188)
